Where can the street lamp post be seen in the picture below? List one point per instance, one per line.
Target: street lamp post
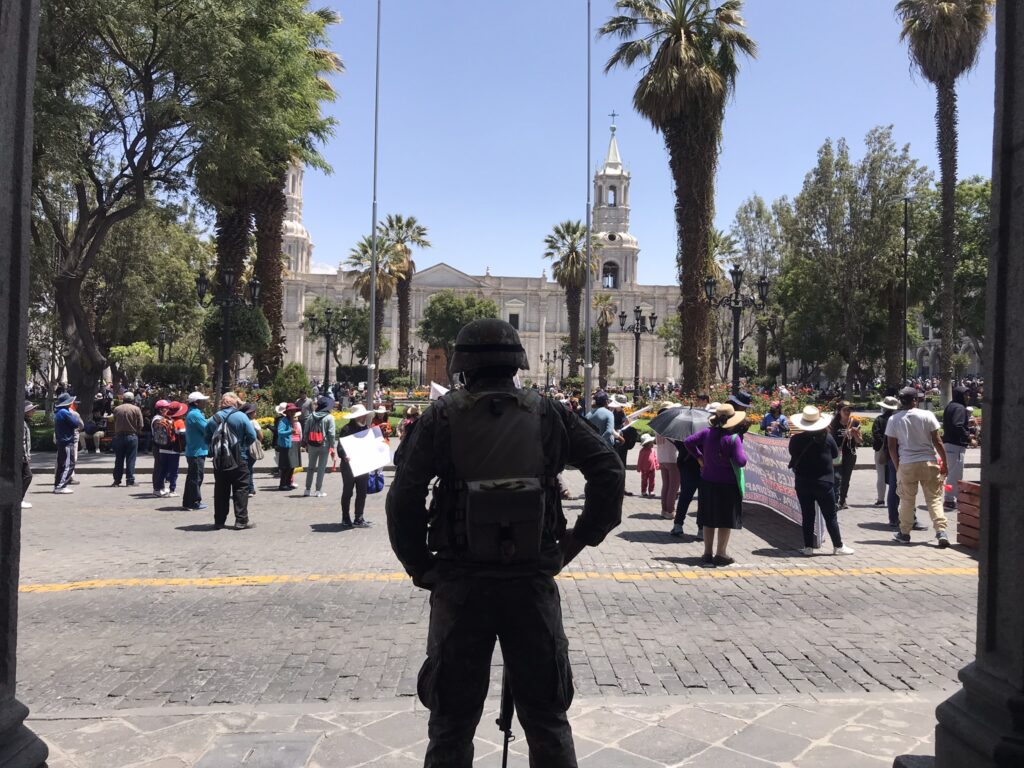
(226, 300)
(561, 375)
(906, 290)
(638, 329)
(162, 338)
(420, 357)
(737, 302)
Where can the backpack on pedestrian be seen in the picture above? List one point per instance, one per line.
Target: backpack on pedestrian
(315, 431)
(225, 447)
(163, 433)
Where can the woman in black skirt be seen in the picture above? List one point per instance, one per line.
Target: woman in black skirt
(720, 504)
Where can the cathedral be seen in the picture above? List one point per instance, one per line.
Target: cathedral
(534, 305)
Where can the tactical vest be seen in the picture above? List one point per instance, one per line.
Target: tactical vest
(498, 497)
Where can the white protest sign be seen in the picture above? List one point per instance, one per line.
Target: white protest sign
(366, 451)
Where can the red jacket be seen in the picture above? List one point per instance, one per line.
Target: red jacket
(648, 459)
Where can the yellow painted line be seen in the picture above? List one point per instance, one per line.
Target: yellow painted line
(699, 574)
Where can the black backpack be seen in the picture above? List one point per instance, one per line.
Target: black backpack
(225, 448)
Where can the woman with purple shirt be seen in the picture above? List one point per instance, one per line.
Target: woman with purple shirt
(720, 504)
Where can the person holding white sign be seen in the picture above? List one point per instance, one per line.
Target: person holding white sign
(360, 455)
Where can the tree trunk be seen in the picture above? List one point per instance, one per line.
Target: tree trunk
(378, 324)
(602, 371)
(947, 145)
(692, 142)
(233, 227)
(269, 208)
(403, 290)
(762, 349)
(573, 301)
(85, 363)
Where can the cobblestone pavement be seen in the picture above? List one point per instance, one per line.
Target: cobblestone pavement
(617, 732)
(130, 604)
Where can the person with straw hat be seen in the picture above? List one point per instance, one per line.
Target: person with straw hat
(720, 502)
(359, 420)
(886, 470)
(813, 451)
(26, 455)
(65, 425)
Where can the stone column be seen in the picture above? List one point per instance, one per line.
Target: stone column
(982, 726)
(18, 28)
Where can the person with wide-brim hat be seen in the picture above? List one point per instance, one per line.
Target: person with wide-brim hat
(720, 501)
(813, 450)
(359, 420)
(885, 470)
(285, 439)
(66, 424)
(169, 455)
(26, 456)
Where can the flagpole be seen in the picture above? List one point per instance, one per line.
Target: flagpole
(371, 367)
(588, 362)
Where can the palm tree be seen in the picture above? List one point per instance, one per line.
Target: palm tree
(605, 309)
(389, 267)
(944, 38)
(689, 51)
(566, 245)
(402, 232)
(269, 203)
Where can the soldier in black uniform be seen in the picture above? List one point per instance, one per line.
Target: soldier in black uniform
(492, 541)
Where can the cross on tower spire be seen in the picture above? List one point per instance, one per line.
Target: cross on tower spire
(613, 115)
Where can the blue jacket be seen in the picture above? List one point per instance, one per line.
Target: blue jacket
(65, 422)
(604, 422)
(239, 423)
(195, 433)
(284, 433)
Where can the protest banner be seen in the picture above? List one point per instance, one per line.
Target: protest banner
(366, 451)
(770, 481)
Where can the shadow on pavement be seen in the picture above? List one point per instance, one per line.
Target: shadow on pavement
(197, 528)
(694, 561)
(648, 537)
(772, 552)
(646, 516)
(328, 528)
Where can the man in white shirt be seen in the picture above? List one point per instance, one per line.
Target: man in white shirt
(913, 438)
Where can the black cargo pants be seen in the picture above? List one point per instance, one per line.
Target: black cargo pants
(525, 615)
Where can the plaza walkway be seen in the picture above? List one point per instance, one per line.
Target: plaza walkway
(148, 639)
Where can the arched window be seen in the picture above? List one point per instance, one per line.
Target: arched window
(610, 275)
(613, 196)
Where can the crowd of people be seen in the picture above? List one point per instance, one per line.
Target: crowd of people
(911, 454)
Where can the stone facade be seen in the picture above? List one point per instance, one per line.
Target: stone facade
(536, 305)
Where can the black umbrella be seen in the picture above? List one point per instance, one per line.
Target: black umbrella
(679, 423)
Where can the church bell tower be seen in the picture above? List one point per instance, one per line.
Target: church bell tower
(296, 243)
(619, 249)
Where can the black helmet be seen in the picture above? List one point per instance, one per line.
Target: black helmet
(487, 343)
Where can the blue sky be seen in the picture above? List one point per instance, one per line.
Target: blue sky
(483, 121)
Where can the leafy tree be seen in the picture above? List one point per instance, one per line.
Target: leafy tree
(250, 332)
(402, 233)
(973, 216)
(839, 270)
(290, 384)
(120, 89)
(567, 247)
(445, 314)
(604, 307)
(756, 234)
(353, 333)
(131, 359)
(944, 37)
(600, 345)
(689, 51)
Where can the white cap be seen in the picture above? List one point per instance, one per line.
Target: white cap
(197, 397)
(712, 407)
